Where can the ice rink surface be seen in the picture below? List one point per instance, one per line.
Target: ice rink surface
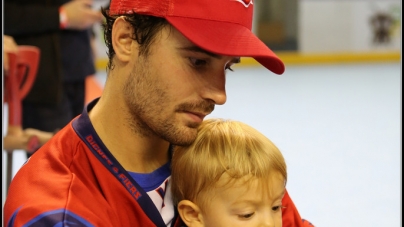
(339, 128)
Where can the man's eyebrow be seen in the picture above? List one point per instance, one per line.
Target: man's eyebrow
(235, 60)
(200, 50)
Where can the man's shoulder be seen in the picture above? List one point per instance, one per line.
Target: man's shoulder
(65, 140)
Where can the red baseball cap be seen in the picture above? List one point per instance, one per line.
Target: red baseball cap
(219, 26)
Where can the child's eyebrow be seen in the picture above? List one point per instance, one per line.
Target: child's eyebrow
(281, 195)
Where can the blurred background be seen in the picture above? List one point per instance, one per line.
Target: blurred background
(335, 113)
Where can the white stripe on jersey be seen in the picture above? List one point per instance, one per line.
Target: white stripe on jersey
(162, 198)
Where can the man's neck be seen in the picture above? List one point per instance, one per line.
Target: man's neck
(136, 153)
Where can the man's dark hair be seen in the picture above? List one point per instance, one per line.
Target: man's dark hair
(145, 30)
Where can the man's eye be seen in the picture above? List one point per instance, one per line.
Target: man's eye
(229, 68)
(197, 62)
(245, 216)
(231, 63)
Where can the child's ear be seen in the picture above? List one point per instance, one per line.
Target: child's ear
(190, 213)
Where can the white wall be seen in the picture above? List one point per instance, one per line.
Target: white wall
(344, 26)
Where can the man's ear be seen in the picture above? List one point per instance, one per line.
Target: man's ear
(122, 39)
(190, 213)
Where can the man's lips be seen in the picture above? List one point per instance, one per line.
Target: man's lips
(197, 116)
(201, 115)
(196, 111)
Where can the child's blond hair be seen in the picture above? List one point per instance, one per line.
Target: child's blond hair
(223, 146)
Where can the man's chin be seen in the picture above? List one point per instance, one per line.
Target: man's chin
(185, 137)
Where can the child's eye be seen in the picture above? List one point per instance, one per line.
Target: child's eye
(245, 216)
(197, 62)
(276, 208)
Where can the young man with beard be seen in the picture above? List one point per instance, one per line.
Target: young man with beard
(111, 165)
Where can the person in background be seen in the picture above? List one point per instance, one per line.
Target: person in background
(168, 61)
(231, 175)
(61, 29)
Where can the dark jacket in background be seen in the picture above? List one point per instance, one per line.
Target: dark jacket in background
(66, 55)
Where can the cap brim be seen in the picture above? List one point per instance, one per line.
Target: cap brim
(227, 39)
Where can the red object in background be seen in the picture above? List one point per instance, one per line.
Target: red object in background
(19, 80)
(21, 75)
(23, 67)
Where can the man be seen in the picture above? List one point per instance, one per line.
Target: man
(111, 165)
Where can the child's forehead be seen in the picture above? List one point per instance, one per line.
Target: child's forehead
(249, 188)
(249, 182)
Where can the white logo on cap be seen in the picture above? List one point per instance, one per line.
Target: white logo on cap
(246, 3)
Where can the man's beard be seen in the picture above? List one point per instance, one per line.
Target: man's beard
(149, 111)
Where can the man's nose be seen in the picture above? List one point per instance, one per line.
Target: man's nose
(215, 89)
